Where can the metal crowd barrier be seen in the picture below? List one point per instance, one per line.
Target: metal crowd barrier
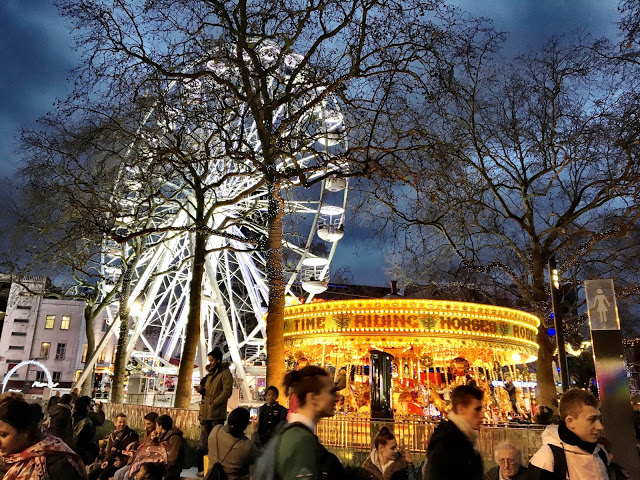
(350, 438)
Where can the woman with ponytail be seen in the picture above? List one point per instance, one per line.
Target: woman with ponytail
(387, 461)
(27, 452)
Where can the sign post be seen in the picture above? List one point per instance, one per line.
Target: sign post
(613, 386)
(557, 321)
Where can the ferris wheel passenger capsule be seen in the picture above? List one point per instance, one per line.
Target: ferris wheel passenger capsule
(335, 184)
(331, 224)
(314, 278)
(330, 233)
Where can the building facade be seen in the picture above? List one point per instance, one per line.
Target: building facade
(49, 331)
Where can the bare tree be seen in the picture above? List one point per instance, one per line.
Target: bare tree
(279, 67)
(76, 214)
(521, 161)
(630, 27)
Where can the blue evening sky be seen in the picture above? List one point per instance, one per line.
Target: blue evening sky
(36, 52)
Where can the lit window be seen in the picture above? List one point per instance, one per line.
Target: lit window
(44, 349)
(101, 356)
(51, 319)
(84, 353)
(64, 325)
(56, 377)
(60, 351)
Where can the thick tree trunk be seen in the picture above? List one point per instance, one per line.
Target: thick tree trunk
(117, 385)
(276, 281)
(89, 318)
(546, 346)
(544, 368)
(192, 329)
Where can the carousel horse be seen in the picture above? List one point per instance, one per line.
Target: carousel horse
(349, 403)
(488, 399)
(503, 402)
(437, 400)
(356, 395)
(520, 400)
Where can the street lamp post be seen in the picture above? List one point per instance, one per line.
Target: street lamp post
(557, 320)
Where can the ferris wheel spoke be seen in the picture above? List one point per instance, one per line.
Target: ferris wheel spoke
(235, 292)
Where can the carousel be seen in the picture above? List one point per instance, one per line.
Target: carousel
(429, 346)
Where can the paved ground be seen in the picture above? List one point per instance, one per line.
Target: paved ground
(190, 473)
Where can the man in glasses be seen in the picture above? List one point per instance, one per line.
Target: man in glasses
(509, 465)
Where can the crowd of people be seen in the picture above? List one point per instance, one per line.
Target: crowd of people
(573, 449)
(61, 445)
(283, 444)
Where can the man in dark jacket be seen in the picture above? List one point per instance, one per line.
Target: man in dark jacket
(117, 442)
(509, 466)
(270, 415)
(60, 419)
(452, 454)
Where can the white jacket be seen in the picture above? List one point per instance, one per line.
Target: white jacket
(581, 465)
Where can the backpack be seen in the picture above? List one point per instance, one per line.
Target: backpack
(147, 453)
(560, 467)
(216, 472)
(265, 467)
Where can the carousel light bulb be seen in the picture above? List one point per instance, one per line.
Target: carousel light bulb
(516, 357)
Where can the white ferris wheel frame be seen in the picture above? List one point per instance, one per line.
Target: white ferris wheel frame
(220, 322)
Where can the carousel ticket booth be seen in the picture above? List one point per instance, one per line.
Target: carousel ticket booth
(404, 356)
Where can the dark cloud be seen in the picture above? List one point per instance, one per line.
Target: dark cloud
(368, 260)
(531, 22)
(35, 54)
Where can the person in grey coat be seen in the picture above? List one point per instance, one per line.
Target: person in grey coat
(229, 446)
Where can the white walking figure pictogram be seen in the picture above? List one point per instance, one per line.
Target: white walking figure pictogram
(601, 304)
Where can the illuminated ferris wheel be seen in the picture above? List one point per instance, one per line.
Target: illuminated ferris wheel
(234, 289)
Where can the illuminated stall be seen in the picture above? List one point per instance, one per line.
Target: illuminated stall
(435, 344)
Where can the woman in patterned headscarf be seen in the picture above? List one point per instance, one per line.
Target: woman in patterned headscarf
(29, 454)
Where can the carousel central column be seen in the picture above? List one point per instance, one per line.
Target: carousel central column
(380, 384)
(380, 390)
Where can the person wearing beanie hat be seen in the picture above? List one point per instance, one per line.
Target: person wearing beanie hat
(229, 445)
